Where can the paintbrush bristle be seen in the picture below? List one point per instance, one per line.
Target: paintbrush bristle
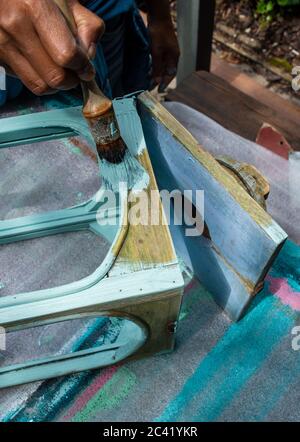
(106, 134)
(113, 152)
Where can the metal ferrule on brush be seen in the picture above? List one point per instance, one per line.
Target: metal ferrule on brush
(105, 129)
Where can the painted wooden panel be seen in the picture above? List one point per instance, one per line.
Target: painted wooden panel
(244, 239)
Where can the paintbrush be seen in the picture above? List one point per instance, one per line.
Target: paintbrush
(98, 109)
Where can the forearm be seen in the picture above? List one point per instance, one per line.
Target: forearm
(164, 44)
(158, 9)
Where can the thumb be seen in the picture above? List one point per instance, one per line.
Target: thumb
(90, 27)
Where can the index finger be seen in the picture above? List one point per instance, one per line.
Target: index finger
(58, 40)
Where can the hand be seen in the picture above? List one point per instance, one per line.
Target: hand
(165, 52)
(37, 46)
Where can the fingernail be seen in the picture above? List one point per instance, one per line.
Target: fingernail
(92, 51)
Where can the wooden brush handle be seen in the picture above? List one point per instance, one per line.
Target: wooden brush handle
(95, 102)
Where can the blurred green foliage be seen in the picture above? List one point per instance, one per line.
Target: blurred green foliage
(268, 6)
(288, 2)
(267, 9)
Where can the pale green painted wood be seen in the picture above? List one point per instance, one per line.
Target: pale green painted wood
(93, 295)
(133, 335)
(42, 127)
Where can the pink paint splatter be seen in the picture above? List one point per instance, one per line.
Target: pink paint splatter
(280, 288)
(89, 392)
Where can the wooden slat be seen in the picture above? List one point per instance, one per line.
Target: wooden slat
(233, 109)
(251, 87)
(242, 241)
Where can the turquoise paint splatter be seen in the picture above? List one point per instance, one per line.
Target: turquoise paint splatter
(244, 364)
(240, 345)
(74, 149)
(287, 265)
(270, 394)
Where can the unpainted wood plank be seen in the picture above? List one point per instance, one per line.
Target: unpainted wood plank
(233, 109)
(252, 88)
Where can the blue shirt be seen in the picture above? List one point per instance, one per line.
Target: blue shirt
(107, 9)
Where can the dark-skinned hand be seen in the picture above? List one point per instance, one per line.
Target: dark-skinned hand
(37, 46)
